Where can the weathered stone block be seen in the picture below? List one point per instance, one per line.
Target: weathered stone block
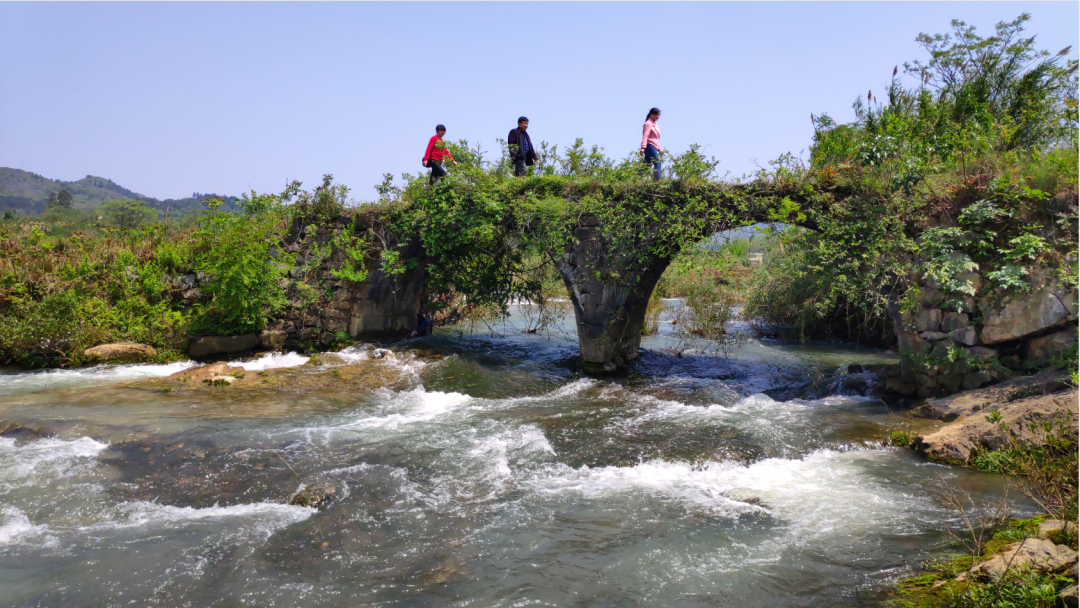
(977, 379)
(272, 339)
(930, 297)
(912, 342)
(1024, 315)
(973, 278)
(1046, 348)
(120, 351)
(927, 319)
(951, 382)
(953, 320)
(982, 353)
(964, 335)
(898, 386)
(204, 346)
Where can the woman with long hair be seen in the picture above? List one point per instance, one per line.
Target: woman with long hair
(650, 142)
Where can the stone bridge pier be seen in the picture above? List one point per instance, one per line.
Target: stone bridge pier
(610, 291)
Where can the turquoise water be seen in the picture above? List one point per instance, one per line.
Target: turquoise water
(495, 475)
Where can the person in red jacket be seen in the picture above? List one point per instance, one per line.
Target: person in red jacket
(436, 151)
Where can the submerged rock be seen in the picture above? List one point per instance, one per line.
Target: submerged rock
(316, 496)
(120, 351)
(326, 371)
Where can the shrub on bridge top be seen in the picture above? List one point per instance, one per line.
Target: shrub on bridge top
(973, 166)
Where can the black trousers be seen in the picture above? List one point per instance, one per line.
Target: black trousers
(519, 167)
(437, 170)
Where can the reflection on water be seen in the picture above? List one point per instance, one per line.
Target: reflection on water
(496, 476)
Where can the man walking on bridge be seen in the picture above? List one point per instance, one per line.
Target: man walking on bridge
(521, 149)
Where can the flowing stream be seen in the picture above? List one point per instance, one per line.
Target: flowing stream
(492, 474)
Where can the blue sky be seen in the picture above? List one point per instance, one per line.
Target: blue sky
(170, 98)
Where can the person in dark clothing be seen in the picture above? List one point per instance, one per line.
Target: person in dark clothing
(425, 323)
(436, 151)
(522, 152)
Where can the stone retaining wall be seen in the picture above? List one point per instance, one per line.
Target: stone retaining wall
(958, 341)
(383, 304)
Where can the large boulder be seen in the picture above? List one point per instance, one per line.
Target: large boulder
(1051, 526)
(1046, 348)
(953, 321)
(955, 442)
(971, 402)
(927, 319)
(204, 346)
(1035, 553)
(120, 351)
(1025, 315)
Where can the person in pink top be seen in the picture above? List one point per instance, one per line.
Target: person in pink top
(650, 142)
(436, 151)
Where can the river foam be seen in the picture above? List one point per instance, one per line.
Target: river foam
(273, 361)
(271, 516)
(57, 454)
(42, 380)
(817, 492)
(15, 528)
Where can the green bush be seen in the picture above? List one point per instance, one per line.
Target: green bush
(243, 279)
(983, 138)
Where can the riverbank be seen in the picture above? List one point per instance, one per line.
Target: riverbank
(1025, 428)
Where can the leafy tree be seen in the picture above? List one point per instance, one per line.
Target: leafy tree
(244, 279)
(53, 202)
(972, 96)
(63, 200)
(127, 215)
(9, 214)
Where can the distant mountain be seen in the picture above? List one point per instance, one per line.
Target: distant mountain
(29, 192)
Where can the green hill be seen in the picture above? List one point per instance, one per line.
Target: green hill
(29, 193)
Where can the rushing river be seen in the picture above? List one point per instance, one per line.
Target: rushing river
(492, 475)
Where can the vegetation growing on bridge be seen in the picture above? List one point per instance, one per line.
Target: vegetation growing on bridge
(971, 157)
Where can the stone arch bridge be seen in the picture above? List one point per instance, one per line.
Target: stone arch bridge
(609, 288)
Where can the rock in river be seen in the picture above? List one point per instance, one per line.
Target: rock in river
(1035, 553)
(326, 371)
(317, 496)
(120, 351)
(1019, 403)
